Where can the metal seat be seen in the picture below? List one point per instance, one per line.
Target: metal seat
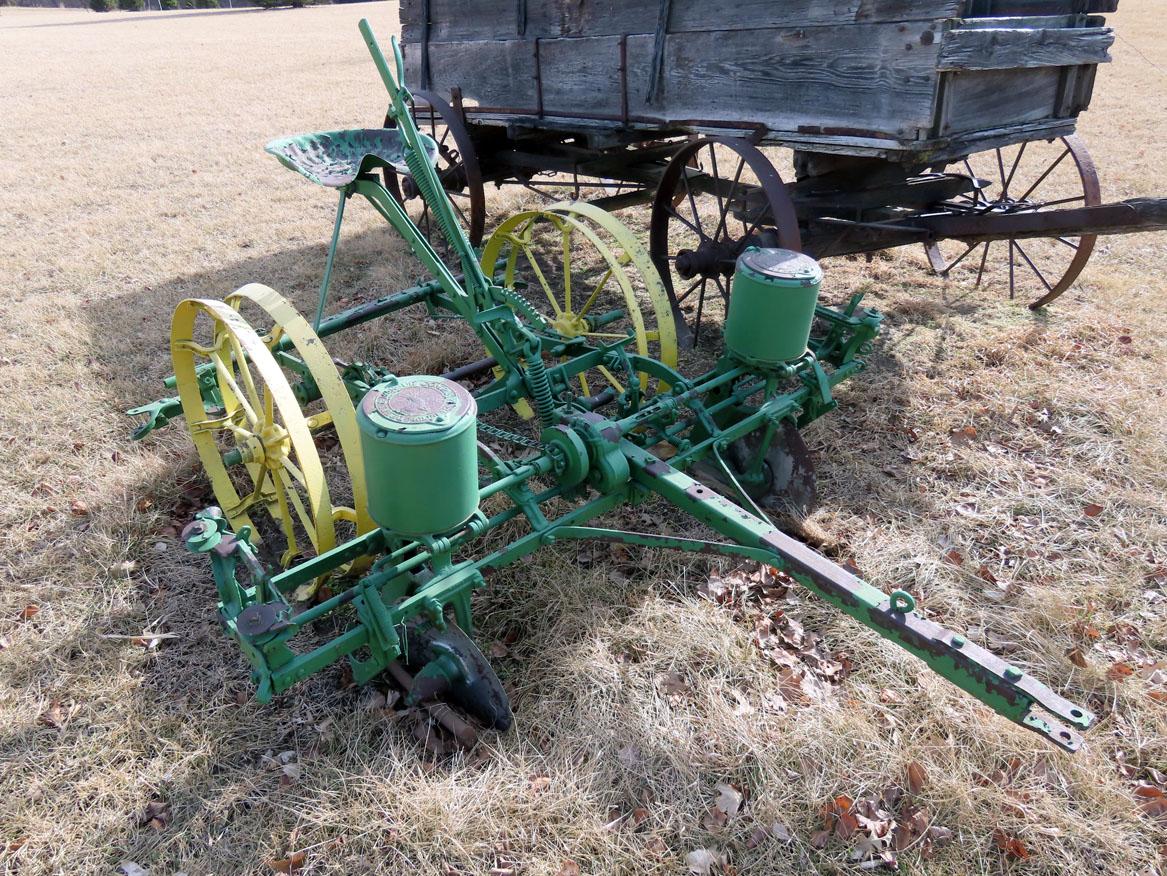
(336, 158)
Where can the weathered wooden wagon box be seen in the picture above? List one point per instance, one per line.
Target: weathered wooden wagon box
(900, 79)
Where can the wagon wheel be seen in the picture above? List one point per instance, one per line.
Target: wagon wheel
(457, 168)
(257, 437)
(716, 197)
(1028, 178)
(590, 278)
(333, 409)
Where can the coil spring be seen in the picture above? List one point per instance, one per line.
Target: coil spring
(436, 199)
(540, 385)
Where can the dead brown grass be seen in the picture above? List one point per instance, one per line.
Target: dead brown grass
(133, 176)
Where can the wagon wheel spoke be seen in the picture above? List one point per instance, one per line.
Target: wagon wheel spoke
(683, 220)
(1033, 267)
(984, 259)
(1045, 175)
(1016, 161)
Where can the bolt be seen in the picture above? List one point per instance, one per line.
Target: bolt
(1012, 673)
(958, 641)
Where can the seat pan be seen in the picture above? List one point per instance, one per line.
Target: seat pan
(336, 158)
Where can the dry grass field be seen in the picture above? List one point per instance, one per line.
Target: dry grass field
(132, 175)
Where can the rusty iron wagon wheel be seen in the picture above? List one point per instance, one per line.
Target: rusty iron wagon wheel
(1031, 177)
(717, 196)
(457, 168)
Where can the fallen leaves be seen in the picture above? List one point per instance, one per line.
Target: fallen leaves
(917, 777)
(725, 806)
(673, 684)
(54, 716)
(776, 831)
(1010, 846)
(703, 862)
(880, 827)
(1092, 509)
(157, 815)
(290, 864)
(29, 611)
(962, 435)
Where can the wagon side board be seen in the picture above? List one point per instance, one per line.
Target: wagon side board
(903, 79)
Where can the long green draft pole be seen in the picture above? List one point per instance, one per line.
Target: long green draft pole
(1004, 688)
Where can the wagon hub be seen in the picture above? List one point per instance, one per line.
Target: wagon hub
(712, 258)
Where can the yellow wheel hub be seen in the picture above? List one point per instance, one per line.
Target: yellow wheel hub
(275, 445)
(570, 324)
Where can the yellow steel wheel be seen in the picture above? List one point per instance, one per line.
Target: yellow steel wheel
(258, 437)
(336, 406)
(584, 264)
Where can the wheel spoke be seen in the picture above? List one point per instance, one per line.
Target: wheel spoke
(245, 374)
(1033, 267)
(566, 235)
(960, 258)
(693, 205)
(672, 212)
(700, 309)
(610, 378)
(1047, 172)
(252, 498)
(294, 470)
(225, 375)
(530, 254)
(1068, 243)
(1013, 169)
(596, 292)
(721, 226)
(721, 289)
(716, 193)
(984, 258)
(1045, 204)
(1012, 284)
(689, 291)
(285, 518)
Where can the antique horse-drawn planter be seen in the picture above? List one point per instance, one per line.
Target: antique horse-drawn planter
(948, 124)
(583, 387)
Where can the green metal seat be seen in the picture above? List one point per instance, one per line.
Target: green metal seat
(336, 158)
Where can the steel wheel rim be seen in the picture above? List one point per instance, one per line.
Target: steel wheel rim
(339, 411)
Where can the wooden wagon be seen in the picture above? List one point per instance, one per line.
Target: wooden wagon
(944, 123)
